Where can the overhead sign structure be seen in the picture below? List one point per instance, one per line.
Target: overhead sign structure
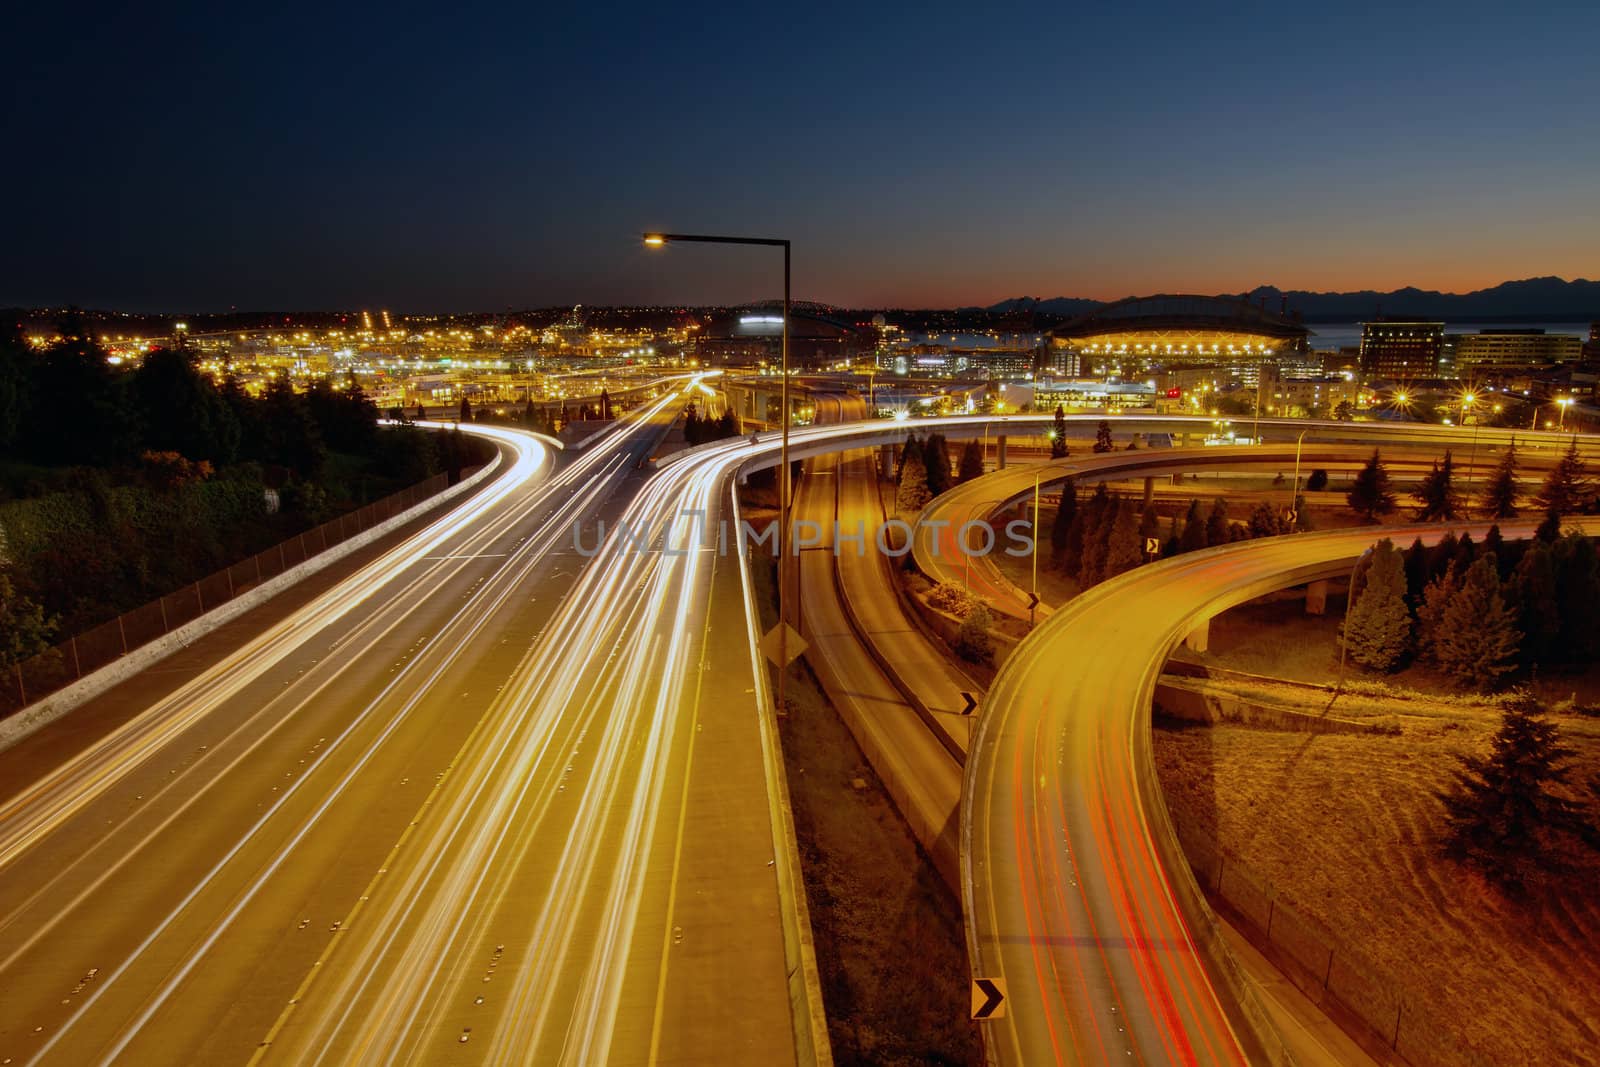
(988, 998)
(783, 644)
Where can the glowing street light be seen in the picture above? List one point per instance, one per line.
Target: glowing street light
(660, 240)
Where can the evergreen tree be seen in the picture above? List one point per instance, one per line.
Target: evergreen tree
(911, 445)
(1500, 492)
(289, 435)
(1430, 612)
(1476, 639)
(1058, 434)
(1194, 535)
(464, 412)
(1097, 542)
(182, 411)
(1169, 547)
(1416, 572)
(1370, 495)
(691, 428)
(1442, 555)
(971, 463)
(1064, 516)
(913, 494)
(1083, 536)
(1549, 531)
(1124, 546)
(936, 460)
(1265, 521)
(1566, 490)
(1502, 808)
(1494, 543)
(1318, 481)
(1218, 529)
(1578, 598)
(1149, 525)
(1437, 499)
(1377, 631)
(1102, 438)
(1533, 591)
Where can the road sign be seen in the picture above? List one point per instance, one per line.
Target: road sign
(971, 704)
(1152, 546)
(988, 998)
(1033, 601)
(783, 644)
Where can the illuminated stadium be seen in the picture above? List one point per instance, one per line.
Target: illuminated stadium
(1179, 328)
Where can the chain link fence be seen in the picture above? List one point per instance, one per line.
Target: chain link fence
(37, 677)
(1334, 976)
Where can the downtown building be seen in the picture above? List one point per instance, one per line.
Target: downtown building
(1402, 351)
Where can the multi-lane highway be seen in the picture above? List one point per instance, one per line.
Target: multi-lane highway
(1077, 893)
(494, 799)
(323, 844)
(937, 546)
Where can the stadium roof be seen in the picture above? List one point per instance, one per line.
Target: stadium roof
(1138, 314)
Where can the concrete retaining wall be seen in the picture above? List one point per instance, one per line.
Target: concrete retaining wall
(1196, 703)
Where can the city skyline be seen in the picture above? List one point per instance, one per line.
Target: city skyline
(498, 159)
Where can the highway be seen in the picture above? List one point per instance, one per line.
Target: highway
(1077, 893)
(494, 799)
(212, 878)
(938, 551)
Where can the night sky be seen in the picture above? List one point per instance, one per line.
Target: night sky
(463, 157)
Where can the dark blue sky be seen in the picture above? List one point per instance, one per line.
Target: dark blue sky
(474, 157)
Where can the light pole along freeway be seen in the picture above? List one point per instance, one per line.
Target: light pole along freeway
(1077, 893)
(165, 883)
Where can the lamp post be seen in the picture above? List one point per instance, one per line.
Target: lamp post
(1294, 492)
(1564, 403)
(1467, 400)
(1034, 606)
(660, 240)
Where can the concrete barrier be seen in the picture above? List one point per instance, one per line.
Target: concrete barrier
(1198, 703)
(26, 720)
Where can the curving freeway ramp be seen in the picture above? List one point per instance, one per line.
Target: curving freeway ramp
(1076, 891)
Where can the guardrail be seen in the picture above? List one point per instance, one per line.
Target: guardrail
(56, 668)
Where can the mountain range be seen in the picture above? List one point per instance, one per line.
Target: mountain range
(1530, 300)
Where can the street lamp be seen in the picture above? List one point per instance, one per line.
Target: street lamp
(1467, 400)
(1563, 403)
(661, 240)
(1294, 494)
(1032, 607)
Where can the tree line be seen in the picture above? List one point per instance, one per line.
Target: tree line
(1101, 537)
(1566, 490)
(1483, 613)
(122, 483)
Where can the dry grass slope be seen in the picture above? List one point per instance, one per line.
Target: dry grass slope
(1344, 827)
